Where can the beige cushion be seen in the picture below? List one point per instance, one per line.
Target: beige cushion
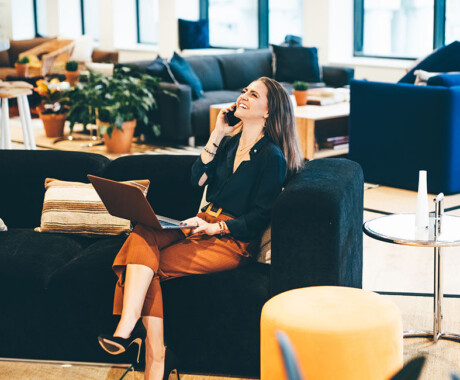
(75, 207)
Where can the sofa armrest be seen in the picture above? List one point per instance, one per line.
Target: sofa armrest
(175, 109)
(316, 227)
(336, 76)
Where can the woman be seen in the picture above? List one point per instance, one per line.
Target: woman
(244, 173)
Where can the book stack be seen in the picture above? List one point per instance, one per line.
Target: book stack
(337, 142)
(325, 96)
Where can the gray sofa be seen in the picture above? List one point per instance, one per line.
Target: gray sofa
(223, 77)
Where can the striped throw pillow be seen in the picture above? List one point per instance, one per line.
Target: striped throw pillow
(75, 207)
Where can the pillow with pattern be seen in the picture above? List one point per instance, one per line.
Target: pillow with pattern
(75, 208)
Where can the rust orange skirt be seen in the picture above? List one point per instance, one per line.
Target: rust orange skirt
(174, 253)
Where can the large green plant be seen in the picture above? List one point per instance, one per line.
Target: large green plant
(127, 95)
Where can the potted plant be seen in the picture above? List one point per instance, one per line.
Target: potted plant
(72, 74)
(116, 104)
(124, 100)
(22, 67)
(300, 92)
(53, 107)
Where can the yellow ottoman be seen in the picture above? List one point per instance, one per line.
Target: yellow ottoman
(338, 333)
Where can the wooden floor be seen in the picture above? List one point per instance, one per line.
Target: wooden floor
(443, 357)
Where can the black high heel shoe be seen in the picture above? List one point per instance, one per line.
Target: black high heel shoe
(115, 345)
(171, 363)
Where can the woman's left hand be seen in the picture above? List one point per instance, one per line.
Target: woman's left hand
(203, 226)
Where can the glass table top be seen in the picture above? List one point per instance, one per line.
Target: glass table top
(401, 229)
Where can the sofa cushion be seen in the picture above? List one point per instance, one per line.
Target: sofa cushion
(444, 59)
(239, 70)
(200, 109)
(21, 195)
(159, 68)
(208, 70)
(75, 208)
(193, 34)
(296, 64)
(28, 259)
(445, 80)
(184, 73)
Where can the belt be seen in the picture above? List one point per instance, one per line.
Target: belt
(215, 211)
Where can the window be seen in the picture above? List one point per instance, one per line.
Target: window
(90, 10)
(452, 21)
(404, 28)
(124, 20)
(285, 17)
(23, 25)
(188, 9)
(70, 20)
(233, 23)
(147, 15)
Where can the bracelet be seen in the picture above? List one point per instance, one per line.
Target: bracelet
(217, 146)
(222, 229)
(208, 151)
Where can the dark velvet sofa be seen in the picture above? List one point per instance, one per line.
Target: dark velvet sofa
(222, 77)
(57, 289)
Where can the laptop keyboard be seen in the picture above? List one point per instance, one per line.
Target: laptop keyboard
(168, 224)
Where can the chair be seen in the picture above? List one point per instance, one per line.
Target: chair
(397, 129)
(20, 91)
(49, 52)
(289, 356)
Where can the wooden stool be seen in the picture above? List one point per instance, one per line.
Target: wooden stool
(19, 90)
(337, 333)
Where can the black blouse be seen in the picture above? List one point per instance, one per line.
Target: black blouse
(249, 193)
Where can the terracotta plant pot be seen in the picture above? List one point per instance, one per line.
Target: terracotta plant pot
(121, 140)
(300, 97)
(53, 123)
(73, 77)
(22, 69)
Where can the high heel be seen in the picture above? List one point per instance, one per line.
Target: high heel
(171, 364)
(115, 345)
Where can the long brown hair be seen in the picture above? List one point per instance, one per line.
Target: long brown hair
(280, 125)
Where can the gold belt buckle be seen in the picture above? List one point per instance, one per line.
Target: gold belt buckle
(215, 214)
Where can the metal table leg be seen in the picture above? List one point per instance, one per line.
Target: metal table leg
(437, 332)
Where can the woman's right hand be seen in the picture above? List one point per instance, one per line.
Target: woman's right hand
(222, 128)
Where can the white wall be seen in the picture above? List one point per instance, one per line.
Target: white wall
(328, 25)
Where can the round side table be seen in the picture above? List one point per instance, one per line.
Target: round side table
(401, 229)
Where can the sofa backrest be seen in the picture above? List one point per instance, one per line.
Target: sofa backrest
(171, 192)
(207, 68)
(23, 174)
(240, 69)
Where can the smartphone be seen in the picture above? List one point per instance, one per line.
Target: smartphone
(231, 118)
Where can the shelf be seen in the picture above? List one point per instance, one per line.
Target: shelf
(322, 153)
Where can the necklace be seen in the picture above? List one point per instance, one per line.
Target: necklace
(247, 147)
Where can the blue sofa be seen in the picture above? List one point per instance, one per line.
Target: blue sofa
(397, 129)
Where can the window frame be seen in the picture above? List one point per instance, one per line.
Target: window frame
(439, 27)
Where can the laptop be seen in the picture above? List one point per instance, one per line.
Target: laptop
(129, 202)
